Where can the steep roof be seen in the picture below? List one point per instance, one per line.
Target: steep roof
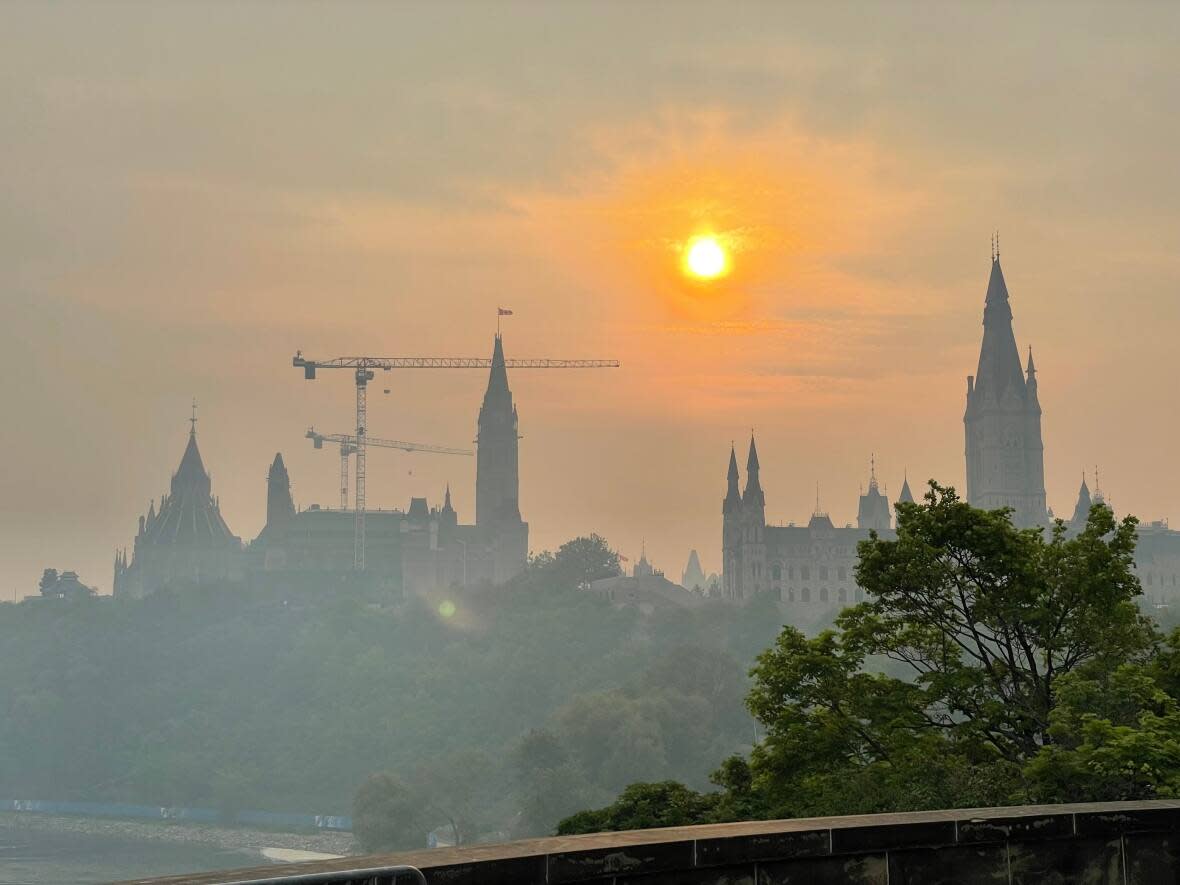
(190, 514)
(906, 495)
(753, 493)
(1081, 510)
(498, 377)
(999, 361)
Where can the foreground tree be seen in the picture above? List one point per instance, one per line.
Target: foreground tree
(387, 815)
(987, 665)
(982, 622)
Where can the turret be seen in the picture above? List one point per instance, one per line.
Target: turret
(1081, 510)
(733, 497)
(279, 505)
(448, 516)
(872, 510)
(753, 498)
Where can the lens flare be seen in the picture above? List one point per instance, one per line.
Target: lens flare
(446, 608)
(704, 258)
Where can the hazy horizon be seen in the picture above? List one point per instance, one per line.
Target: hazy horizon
(194, 192)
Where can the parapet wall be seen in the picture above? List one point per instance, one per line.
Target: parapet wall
(1118, 843)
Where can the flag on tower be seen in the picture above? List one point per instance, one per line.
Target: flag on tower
(501, 312)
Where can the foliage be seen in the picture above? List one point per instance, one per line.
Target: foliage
(386, 815)
(988, 665)
(641, 806)
(279, 699)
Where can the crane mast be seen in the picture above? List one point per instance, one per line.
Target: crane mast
(363, 372)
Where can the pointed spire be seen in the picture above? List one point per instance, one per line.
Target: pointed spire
(1081, 510)
(192, 431)
(753, 493)
(906, 495)
(999, 360)
(873, 472)
(498, 378)
(733, 496)
(447, 499)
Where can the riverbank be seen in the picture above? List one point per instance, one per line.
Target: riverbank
(40, 849)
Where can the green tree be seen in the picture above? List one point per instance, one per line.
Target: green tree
(642, 806)
(987, 619)
(1115, 736)
(575, 563)
(387, 815)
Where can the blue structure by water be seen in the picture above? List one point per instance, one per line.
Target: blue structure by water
(268, 819)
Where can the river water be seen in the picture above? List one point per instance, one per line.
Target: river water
(72, 851)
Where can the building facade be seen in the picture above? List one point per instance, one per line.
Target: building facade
(420, 550)
(1005, 467)
(807, 565)
(186, 541)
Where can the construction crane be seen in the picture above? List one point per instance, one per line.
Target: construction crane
(348, 447)
(364, 371)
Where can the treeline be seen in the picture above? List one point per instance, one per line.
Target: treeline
(495, 715)
(987, 666)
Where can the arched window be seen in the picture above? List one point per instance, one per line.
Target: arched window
(806, 597)
(790, 596)
(823, 594)
(842, 595)
(842, 573)
(778, 572)
(823, 572)
(805, 573)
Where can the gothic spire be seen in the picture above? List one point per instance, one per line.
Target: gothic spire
(733, 497)
(999, 360)
(906, 495)
(753, 493)
(1081, 511)
(191, 474)
(498, 378)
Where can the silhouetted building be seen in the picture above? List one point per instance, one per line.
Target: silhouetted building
(808, 565)
(422, 549)
(1005, 455)
(872, 510)
(186, 541)
(64, 585)
(693, 577)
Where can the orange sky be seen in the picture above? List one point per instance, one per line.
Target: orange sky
(194, 191)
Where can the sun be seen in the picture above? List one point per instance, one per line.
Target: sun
(704, 258)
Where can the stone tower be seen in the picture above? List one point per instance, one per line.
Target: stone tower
(503, 534)
(497, 472)
(872, 512)
(731, 531)
(744, 530)
(279, 505)
(1002, 422)
(754, 526)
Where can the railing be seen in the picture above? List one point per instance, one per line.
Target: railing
(1107, 843)
(363, 876)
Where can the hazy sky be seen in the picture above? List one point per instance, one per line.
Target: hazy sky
(188, 193)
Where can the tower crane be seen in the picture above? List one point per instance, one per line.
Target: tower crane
(348, 447)
(364, 370)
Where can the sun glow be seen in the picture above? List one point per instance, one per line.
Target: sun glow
(704, 258)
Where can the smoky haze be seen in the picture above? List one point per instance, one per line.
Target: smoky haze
(192, 192)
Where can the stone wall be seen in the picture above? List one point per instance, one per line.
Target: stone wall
(1120, 843)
